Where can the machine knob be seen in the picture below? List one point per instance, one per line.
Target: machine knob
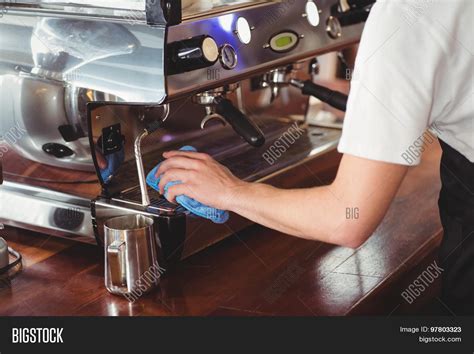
(192, 54)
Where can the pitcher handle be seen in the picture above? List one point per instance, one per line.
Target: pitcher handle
(115, 254)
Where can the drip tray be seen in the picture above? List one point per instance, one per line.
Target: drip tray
(158, 203)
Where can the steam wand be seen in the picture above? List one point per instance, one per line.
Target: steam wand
(151, 128)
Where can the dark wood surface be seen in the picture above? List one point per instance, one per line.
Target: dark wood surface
(21, 170)
(255, 272)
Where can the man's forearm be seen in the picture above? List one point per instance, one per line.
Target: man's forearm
(345, 213)
(314, 213)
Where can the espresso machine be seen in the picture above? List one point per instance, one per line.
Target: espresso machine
(100, 89)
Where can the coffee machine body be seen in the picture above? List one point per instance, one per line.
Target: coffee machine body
(102, 90)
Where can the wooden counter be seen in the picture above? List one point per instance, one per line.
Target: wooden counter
(255, 272)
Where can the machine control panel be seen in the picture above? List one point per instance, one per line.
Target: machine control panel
(253, 39)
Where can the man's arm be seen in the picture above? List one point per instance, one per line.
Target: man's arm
(363, 187)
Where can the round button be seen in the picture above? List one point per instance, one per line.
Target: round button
(210, 50)
(333, 27)
(228, 57)
(243, 30)
(312, 13)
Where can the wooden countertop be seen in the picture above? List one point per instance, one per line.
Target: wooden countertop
(255, 272)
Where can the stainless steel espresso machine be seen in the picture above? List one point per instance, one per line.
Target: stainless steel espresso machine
(105, 87)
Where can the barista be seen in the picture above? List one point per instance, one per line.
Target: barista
(414, 71)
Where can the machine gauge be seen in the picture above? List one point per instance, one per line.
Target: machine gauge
(333, 27)
(312, 13)
(228, 57)
(284, 41)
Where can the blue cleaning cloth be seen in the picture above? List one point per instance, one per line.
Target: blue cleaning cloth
(114, 161)
(199, 209)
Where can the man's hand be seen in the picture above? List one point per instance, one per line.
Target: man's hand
(202, 178)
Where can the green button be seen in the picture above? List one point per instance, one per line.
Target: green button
(284, 41)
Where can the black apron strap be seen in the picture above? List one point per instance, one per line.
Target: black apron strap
(456, 205)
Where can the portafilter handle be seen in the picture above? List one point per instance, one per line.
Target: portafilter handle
(346, 5)
(242, 124)
(335, 99)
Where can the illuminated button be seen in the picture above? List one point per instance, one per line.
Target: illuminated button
(228, 57)
(210, 50)
(284, 42)
(312, 13)
(243, 30)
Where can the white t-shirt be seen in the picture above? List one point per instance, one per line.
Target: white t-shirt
(414, 71)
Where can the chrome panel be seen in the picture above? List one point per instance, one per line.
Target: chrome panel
(83, 4)
(43, 210)
(133, 9)
(198, 8)
(51, 67)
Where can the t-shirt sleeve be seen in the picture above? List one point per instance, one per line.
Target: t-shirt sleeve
(391, 94)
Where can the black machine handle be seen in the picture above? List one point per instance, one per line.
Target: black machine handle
(360, 3)
(353, 17)
(242, 124)
(159, 10)
(333, 98)
(352, 12)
